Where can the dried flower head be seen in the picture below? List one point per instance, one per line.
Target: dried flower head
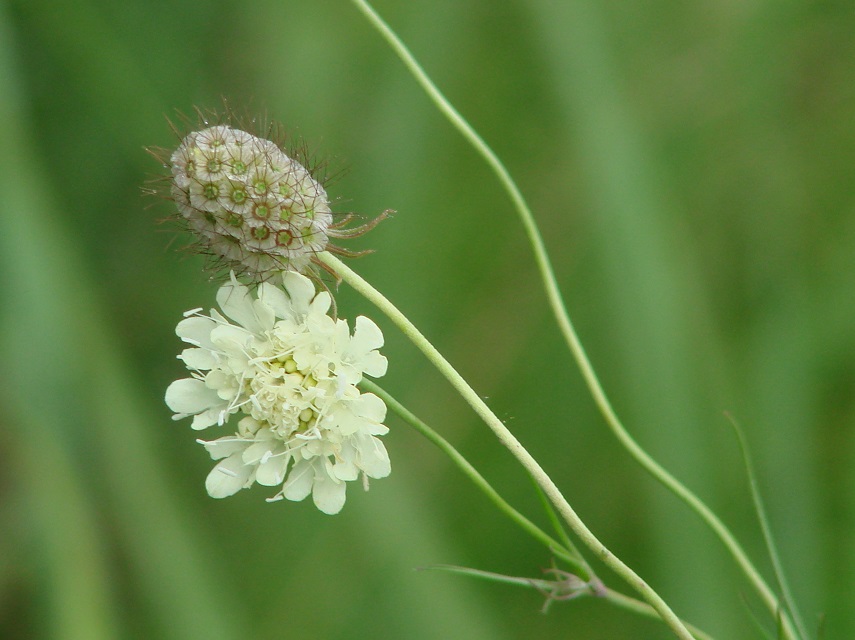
(252, 207)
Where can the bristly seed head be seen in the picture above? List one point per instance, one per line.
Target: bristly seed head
(253, 208)
(236, 191)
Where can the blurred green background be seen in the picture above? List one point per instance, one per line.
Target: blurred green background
(691, 165)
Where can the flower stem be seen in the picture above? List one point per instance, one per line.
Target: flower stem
(570, 556)
(565, 325)
(508, 440)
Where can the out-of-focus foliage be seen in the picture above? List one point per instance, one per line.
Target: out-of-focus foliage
(691, 166)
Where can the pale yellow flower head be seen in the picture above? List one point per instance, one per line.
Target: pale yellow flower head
(289, 371)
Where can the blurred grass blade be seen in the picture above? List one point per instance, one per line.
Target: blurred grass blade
(771, 547)
(70, 550)
(63, 365)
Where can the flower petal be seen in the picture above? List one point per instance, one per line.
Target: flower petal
(373, 458)
(370, 407)
(210, 417)
(299, 482)
(231, 339)
(328, 494)
(276, 299)
(366, 335)
(228, 477)
(190, 396)
(300, 289)
(258, 451)
(272, 471)
(199, 359)
(345, 468)
(321, 304)
(224, 447)
(236, 302)
(374, 364)
(196, 330)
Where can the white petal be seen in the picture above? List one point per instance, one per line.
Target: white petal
(199, 359)
(328, 495)
(370, 407)
(376, 429)
(265, 314)
(276, 299)
(374, 364)
(373, 457)
(224, 447)
(190, 396)
(346, 469)
(300, 289)
(272, 472)
(257, 451)
(366, 335)
(299, 483)
(225, 385)
(230, 339)
(228, 477)
(321, 304)
(362, 351)
(345, 421)
(196, 330)
(210, 417)
(236, 302)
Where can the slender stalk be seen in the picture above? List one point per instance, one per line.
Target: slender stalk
(565, 325)
(508, 440)
(547, 587)
(554, 519)
(577, 563)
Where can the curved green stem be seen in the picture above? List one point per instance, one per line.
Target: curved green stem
(565, 325)
(571, 556)
(508, 440)
(553, 517)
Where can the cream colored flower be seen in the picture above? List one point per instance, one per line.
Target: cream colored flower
(290, 370)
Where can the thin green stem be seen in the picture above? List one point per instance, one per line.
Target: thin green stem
(508, 440)
(554, 519)
(554, 591)
(577, 563)
(565, 325)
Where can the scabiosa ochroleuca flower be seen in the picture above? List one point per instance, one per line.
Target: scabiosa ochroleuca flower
(290, 371)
